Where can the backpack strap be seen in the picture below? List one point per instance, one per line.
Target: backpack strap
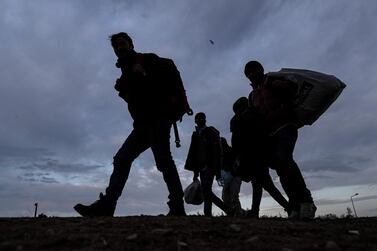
(176, 135)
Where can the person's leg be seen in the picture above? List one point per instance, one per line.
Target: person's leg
(290, 175)
(135, 144)
(257, 197)
(105, 206)
(226, 194)
(251, 162)
(265, 180)
(235, 187)
(160, 145)
(206, 179)
(220, 204)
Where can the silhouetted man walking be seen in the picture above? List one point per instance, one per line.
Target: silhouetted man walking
(204, 159)
(272, 98)
(249, 142)
(155, 102)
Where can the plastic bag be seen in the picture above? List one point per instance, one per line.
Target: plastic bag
(316, 92)
(193, 194)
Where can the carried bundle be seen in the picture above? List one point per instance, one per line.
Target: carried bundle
(316, 92)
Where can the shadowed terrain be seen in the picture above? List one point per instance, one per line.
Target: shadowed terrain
(186, 233)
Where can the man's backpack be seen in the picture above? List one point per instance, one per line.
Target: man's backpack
(177, 103)
(316, 92)
(168, 84)
(176, 100)
(171, 91)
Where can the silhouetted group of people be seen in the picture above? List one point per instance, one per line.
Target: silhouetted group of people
(264, 133)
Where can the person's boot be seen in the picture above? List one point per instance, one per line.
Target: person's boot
(293, 211)
(102, 207)
(176, 209)
(307, 211)
(293, 215)
(239, 212)
(253, 214)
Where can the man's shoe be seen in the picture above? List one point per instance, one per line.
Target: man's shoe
(294, 215)
(252, 214)
(101, 207)
(176, 209)
(239, 212)
(307, 211)
(176, 213)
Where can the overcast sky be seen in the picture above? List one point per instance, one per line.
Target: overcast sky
(61, 120)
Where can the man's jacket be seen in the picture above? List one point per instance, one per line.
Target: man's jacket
(205, 151)
(147, 87)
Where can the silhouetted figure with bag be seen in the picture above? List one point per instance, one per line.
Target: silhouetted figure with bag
(153, 90)
(272, 99)
(204, 159)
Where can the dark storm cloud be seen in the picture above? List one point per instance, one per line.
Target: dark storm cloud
(57, 166)
(35, 104)
(39, 161)
(318, 177)
(19, 152)
(217, 22)
(336, 163)
(36, 178)
(54, 85)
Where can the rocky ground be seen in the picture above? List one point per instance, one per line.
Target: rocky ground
(186, 233)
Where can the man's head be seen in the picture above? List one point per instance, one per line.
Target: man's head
(122, 44)
(200, 119)
(254, 71)
(240, 105)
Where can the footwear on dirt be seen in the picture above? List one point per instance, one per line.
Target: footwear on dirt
(102, 207)
(253, 214)
(307, 211)
(176, 209)
(294, 215)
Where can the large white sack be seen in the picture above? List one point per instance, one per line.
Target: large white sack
(316, 92)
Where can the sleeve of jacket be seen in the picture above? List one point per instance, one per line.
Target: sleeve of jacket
(190, 163)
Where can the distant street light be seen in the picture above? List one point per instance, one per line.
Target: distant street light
(353, 204)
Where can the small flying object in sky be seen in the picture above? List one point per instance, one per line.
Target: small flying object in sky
(211, 41)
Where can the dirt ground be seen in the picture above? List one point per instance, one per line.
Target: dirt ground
(186, 233)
